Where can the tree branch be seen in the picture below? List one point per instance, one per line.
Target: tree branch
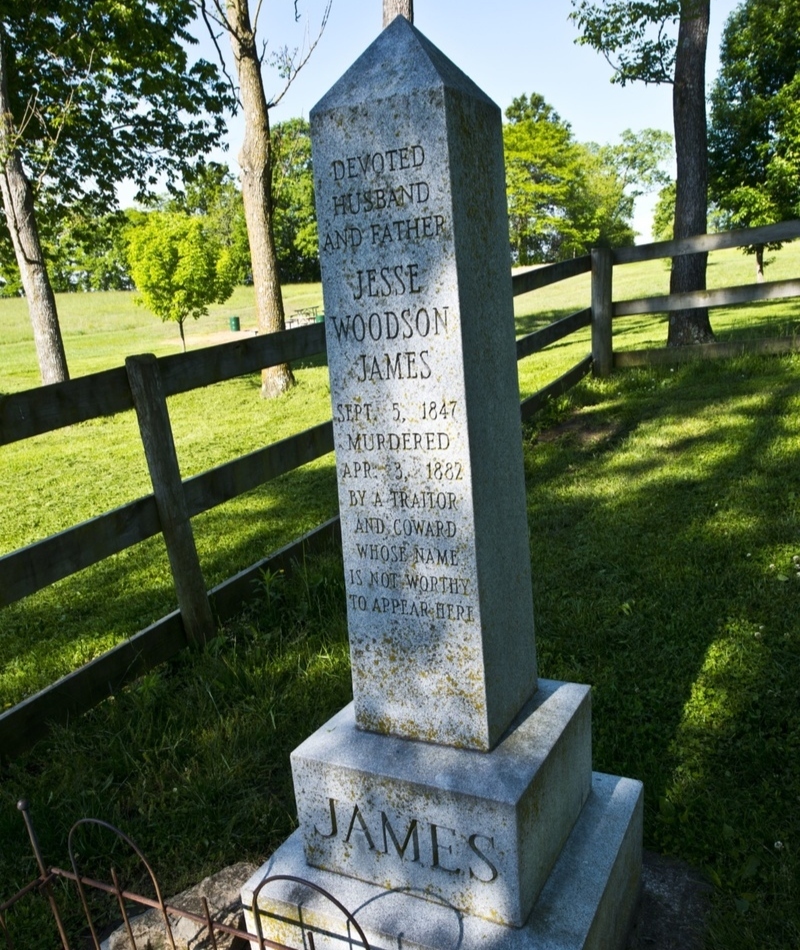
(209, 20)
(291, 70)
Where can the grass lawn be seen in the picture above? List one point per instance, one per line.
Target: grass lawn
(664, 512)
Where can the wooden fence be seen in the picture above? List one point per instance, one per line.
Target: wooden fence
(604, 309)
(144, 384)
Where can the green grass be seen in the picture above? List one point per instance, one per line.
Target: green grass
(664, 511)
(59, 479)
(665, 514)
(631, 281)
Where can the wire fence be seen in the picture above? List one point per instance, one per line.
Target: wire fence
(208, 929)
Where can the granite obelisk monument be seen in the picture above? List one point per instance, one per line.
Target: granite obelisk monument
(453, 802)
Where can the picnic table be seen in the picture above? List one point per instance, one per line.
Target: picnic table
(302, 316)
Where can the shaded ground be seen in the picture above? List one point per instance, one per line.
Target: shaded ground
(674, 906)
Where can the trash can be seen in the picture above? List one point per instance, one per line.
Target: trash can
(234, 324)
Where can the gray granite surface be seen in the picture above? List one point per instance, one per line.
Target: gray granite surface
(410, 188)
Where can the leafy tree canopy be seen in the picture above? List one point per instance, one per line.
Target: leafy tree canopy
(565, 197)
(103, 91)
(294, 214)
(179, 266)
(637, 37)
(211, 191)
(542, 163)
(664, 214)
(754, 138)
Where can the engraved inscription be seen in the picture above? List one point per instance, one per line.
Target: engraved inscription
(393, 332)
(401, 445)
(412, 840)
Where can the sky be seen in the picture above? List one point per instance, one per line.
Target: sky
(508, 47)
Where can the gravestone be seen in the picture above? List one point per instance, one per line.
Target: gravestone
(420, 332)
(456, 791)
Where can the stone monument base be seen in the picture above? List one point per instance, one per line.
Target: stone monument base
(588, 901)
(479, 831)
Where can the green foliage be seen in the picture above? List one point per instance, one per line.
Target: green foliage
(664, 512)
(87, 252)
(541, 161)
(211, 191)
(179, 266)
(565, 197)
(664, 214)
(103, 91)
(754, 137)
(294, 215)
(10, 281)
(638, 159)
(635, 36)
(599, 205)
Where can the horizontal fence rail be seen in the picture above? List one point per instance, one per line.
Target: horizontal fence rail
(703, 243)
(722, 297)
(538, 277)
(90, 684)
(553, 332)
(557, 388)
(36, 411)
(604, 310)
(44, 562)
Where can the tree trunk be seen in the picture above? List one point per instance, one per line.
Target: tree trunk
(394, 8)
(256, 164)
(17, 197)
(759, 263)
(691, 200)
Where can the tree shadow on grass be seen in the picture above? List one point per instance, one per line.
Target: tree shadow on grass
(656, 511)
(652, 542)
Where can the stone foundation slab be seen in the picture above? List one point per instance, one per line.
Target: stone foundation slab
(587, 903)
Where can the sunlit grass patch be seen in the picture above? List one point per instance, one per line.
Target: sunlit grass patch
(664, 529)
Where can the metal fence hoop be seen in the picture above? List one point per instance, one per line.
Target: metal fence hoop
(139, 854)
(314, 887)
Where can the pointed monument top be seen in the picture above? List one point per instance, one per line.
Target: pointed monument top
(400, 60)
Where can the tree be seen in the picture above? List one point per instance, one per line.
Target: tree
(637, 41)
(754, 137)
(211, 190)
(625, 172)
(93, 92)
(638, 159)
(255, 159)
(565, 197)
(541, 162)
(293, 190)
(86, 251)
(664, 214)
(395, 8)
(178, 266)
(598, 204)
(18, 206)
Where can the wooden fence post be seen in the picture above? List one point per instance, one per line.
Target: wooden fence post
(162, 461)
(602, 350)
